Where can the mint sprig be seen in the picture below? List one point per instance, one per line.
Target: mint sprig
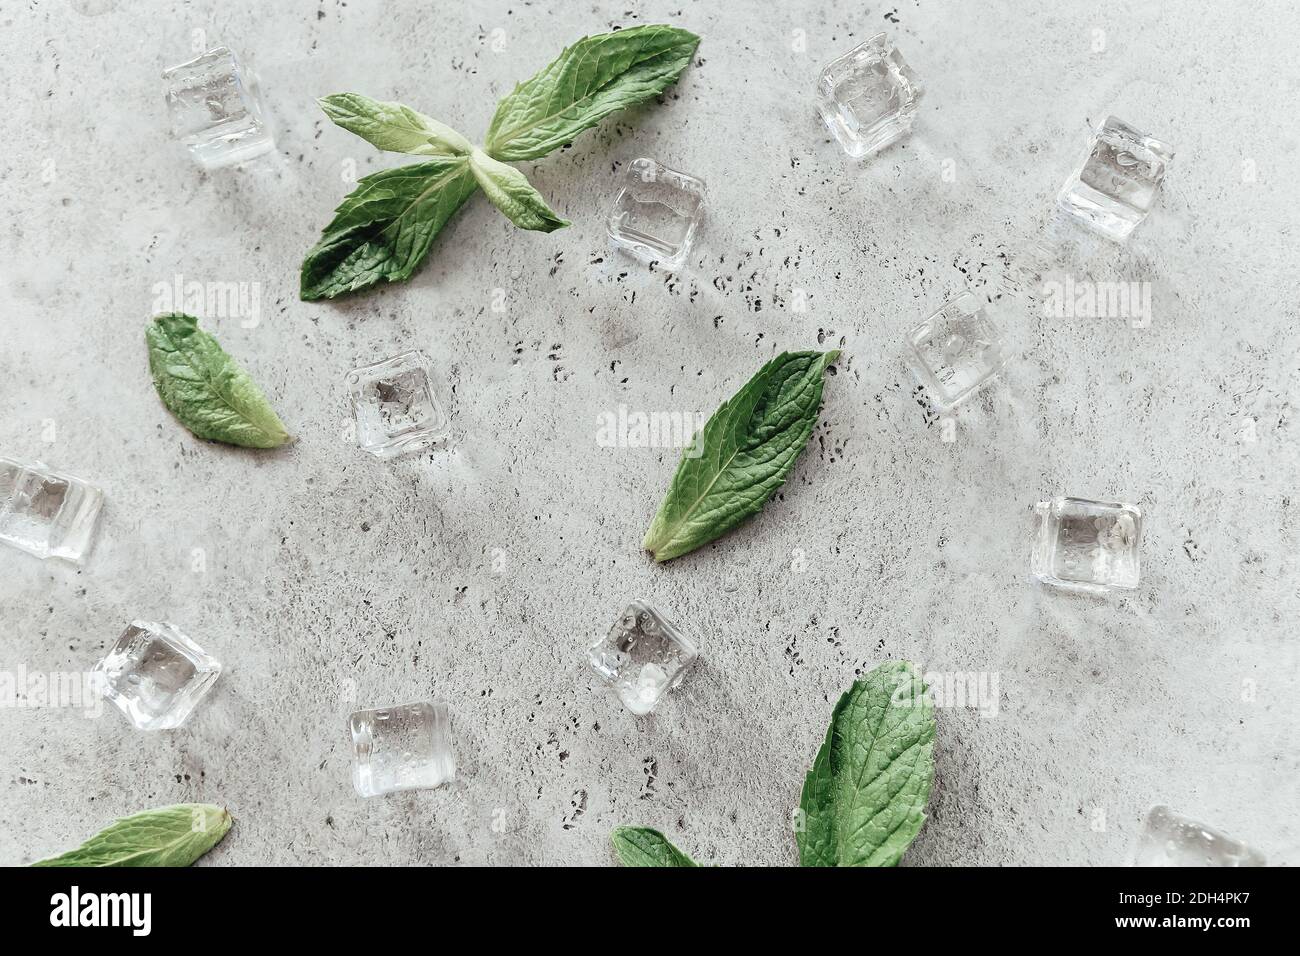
(383, 230)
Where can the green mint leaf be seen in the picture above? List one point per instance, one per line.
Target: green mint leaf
(642, 846)
(203, 387)
(168, 836)
(742, 455)
(393, 127)
(864, 799)
(512, 193)
(383, 230)
(591, 79)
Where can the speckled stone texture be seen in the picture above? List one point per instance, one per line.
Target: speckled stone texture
(326, 581)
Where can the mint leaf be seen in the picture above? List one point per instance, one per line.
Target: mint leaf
(642, 846)
(383, 230)
(512, 193)
(591, 79)
(168, 836)
(203, 387)
(864, 799)
(393, 127)
(745, 452)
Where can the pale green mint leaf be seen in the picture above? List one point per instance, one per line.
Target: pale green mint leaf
(383, 230)
(393, 127)
(741, 456)
(168, 836)
(642, 846)
(591, 79)
(203, 387)
(864, 799)
(513, 194)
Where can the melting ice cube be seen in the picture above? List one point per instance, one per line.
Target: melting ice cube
(1170, 839)
(656, 213)
(407, 747)
(155, 675)
(642, 656)
(46, 513)
(216, 110)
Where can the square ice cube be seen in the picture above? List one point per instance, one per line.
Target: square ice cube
(656, 213)
(642, 656)
(155, 675)
(407, 747)
(868, 96)
(1117, 183)
(216, 110)
(1087, 545)
(1170, 839)
(45, 513)
(955, 350)
(396, 409)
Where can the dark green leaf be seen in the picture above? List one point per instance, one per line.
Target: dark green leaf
(642, 846)
(383, 230)
(591, 79)
(864, 799)
(743, 455)
(203, 387)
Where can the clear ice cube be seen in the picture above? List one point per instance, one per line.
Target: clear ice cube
(407, 747)
(1087, 545)
(955, 351)
(45, 513)
(1170, 839)
(1118, 181)
(868, 97)
(642, 656)
(396, 409)
(216, 110)
(155, 675)
(656, 213)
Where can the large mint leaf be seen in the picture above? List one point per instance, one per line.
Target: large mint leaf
(512, 193)
(642, 846)
(382, 231)
(744, 452)
(864, 799)
(205, 389)
(168, 836)
(591, 79)
(394, 127)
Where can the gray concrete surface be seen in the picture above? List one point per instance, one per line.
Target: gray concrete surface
(324, 579)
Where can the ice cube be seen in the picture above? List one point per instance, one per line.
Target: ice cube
(155, 675)
(45, 513)
(642, 656)
(1117, 183)
(1170, 839)
(396, 409)
(407, 747)
(955, 351)
(656, 213)
(868, 97)
(216, 110)
(1087, 545)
